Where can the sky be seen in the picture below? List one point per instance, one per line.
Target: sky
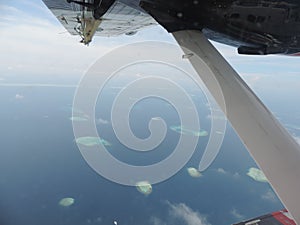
(32, 39)
(33, 42)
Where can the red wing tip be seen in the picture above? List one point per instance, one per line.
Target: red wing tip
(276, 218)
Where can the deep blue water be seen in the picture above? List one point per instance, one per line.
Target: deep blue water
(40, 164)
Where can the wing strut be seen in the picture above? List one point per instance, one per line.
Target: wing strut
(272, 147)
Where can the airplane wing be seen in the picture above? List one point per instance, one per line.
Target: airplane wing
(276, 218)
(119, 19)
(275, 151)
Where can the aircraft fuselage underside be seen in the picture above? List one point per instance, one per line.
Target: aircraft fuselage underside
(254, 26)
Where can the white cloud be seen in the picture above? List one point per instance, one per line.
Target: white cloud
(236, 214)
(156, 221)
(44, 51)
(102, 121)
(253, 78)
(190, 217)
(33, 41)
(215, 117)
(222, 171)
(19, 97)
(40, 45)
(230, 52)
(236, 175)
(181, 214)
(269, 196)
